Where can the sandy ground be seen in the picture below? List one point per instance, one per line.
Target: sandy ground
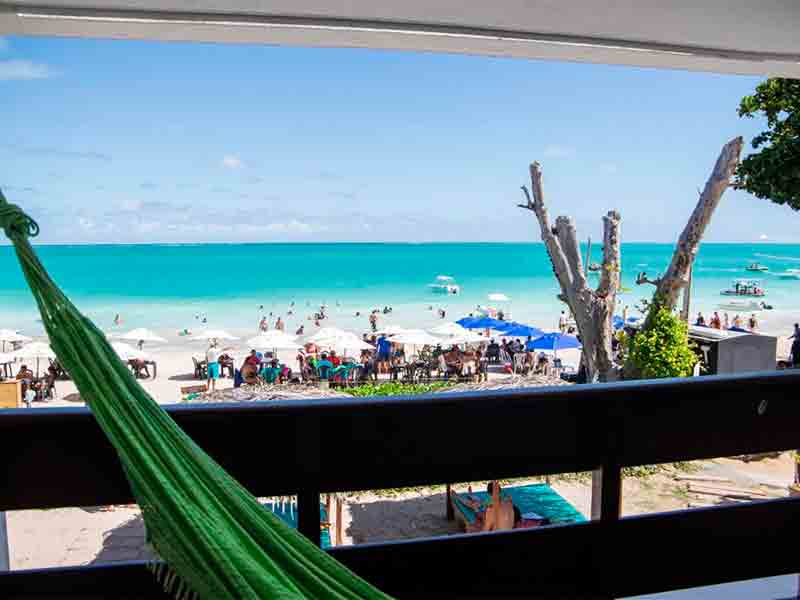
(79, 536)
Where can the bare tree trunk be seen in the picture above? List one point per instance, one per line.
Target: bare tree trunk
(593, 309)
(669, 286)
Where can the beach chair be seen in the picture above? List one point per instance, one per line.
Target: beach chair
(200, 368)
(520, 366)
(538, 504)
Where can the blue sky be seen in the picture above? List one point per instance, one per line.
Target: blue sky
(122, 141)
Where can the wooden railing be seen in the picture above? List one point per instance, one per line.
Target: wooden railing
(59, 457)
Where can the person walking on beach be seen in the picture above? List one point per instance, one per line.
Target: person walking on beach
(795, 351)
(752, 323)
(373, 321)
(726, 323)
(701, 320)
(212, 365)
(737, 321)
(264, 324)
(279, 325)
(562, 322)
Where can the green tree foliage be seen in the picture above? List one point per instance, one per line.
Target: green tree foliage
(774, 171)
(661, 348)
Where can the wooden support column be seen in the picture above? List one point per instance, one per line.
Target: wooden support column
(5, 559)
(607, 493)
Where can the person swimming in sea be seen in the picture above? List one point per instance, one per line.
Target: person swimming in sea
(117, 319)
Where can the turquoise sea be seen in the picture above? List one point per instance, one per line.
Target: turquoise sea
(167, 287)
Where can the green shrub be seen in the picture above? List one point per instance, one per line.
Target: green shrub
(396, 388)
(661, 348)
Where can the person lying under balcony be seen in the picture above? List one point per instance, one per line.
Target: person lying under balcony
(499, 514)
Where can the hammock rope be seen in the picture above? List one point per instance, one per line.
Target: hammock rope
(215, 537)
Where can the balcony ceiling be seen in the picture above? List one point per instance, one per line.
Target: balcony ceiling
(724, 36)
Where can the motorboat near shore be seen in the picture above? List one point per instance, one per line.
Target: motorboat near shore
(445, 285)
(756, 267)
(745, 287)
(744, 306)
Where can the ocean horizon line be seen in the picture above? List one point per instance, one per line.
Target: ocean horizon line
(376, 243)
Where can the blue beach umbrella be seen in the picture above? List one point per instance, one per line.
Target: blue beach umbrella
(554, 342)
(481, 323)
(617, 322)
(520, 330)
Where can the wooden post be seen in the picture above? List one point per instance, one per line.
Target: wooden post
(5, 560)
(338, 520)
(606, 493)
(308, 515)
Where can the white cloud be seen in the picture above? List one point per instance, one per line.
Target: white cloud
(763, 237)
(558, 151)
(231, 161)
(15, 70)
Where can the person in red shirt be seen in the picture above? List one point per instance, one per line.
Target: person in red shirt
(335, 360)
(253, 359)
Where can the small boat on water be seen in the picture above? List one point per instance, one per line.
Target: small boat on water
(445, 285)
(595, 267)
(790, 274)
(745, 287)
(758, 267)
(744, 305)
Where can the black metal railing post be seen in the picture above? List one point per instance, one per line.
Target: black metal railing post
(307, 442)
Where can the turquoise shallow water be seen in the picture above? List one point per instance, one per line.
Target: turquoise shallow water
(167, 286)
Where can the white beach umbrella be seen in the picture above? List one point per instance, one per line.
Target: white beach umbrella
(214, 334)
(35, 350)
(142, 335)
(448, 329)
(277, 340)
(392, 330)
(328, 333)
(127, 352)
(468, 337)
(416, 337)
(498, 297)
(9, 336)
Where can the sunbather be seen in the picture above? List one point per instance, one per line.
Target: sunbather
(498, 515)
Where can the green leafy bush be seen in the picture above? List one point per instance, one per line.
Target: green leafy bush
(396, 388)
(661, 348)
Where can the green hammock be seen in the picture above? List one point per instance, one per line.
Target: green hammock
(216, 539)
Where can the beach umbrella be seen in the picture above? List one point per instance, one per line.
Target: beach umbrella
(467, 337)
(498, 297)
(392, 330)
(448, 329)
(9, 336)
(520, 330)
(35, 350)
(481, 323)
(415, 337)
(275, 339)
(327, 333)
(214, 334)
(553, 342)
(618, 323)
(127, 352)
(142, 335)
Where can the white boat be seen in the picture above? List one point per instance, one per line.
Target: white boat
(445, 285)
(790, 274)
(745, 287)
(742, 305)
(756, 267)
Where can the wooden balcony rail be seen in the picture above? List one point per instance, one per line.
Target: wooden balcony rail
(59, 457)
